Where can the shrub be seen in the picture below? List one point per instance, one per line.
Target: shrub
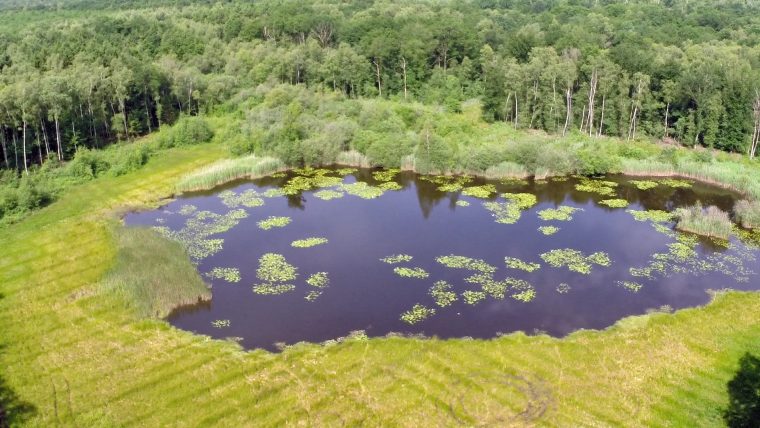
(597, 159)
(128, 159)
(187, 131)
(748, 213)
(87, 164)
(707, 222)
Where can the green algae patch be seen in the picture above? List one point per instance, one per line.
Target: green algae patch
(228, 274)
(548, 230)
(601, 187)
(656, 216)
(644, 184)
(575, 260)
(407, 272)
(484, 192)
(442, 293)
(614, 203)
(396, 258)
(416, 314)
(515, 263)
(561, 213)
(273, 222)
(308, 242)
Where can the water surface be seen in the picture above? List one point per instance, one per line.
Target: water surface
(419, 220)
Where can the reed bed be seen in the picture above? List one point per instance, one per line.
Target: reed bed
(710, 221)
(228, 170)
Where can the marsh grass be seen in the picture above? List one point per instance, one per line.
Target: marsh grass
(153, 274)
(353, 158)
(748, 213)
(228, 170)
(710, 221)
(507, 170)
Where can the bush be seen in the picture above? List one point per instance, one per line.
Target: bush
(597, 159)
(128, 159)
(187, 131)
(87, 164)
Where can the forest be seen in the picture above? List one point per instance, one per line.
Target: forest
(81, 75)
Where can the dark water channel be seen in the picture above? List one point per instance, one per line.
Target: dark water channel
(419, 220)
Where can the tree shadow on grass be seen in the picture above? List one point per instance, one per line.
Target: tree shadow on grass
(744, 395)
(13, 411)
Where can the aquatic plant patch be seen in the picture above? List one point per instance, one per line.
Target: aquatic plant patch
(319, 280)
(656, 216)
(220, 323)
(346, 171)
(362, 190)
(273, 222)
(385, 175)
(561, 213)
(614, 203)
(267, 289)
(274, 268)
(601, 187)
(575, 260)
(231, 275)
(308, 242)
(630, 285)
(194, 236)
(473, 297)
(548, 230)
(397, 258)
(187, 210)
(563, 288)
(522, 200)
(644, 184)
(407, 272)
(389, 186)
(676, 183)
(485, 191)
(462, 262)
(327, 195)
(442, 293)
(503, 212)
(515, 263)
(249, 198)
(416, 314)
(462, 203)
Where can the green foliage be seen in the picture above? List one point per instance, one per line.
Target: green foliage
(561, 213)
(656, 216)
(748, 213)
(227, 274)
(574, 260)
(442, 294)
(319, 280)
(614, 203)
(227, 170)
(273, 222)
(308, 242)
(187, 131)
(548, 230)
(710, 221)
(515, 263)
(598, 159)
(416, 314)
(602, 187)
(407, 272)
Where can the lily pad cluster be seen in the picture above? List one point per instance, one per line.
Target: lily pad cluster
(228, 274)
(249, 198)
(485, 191)
(614, 203)
(273, 221)
(195, 235)
(276, 274)
(417, 314)
(601, 187)
(575, 260)
(308, 242)
(561, 213)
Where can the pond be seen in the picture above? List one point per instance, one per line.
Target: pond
(316, 254)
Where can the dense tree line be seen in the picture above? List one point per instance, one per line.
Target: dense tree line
(682, 70)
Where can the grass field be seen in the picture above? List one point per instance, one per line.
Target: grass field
(74, 355)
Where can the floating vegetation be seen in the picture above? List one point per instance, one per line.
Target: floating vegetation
(559, 179)
(194, 236)
(308, 242)
(227, 274)
(279, 175)
(575, 260)
(327, 195)
(614, 203)
(513, 181)
(644, 184)
(462, 203)
(601, 187)
(442, 294)
(548, 230)
(187, 210)
(273, 221)
(319, 280)
(407, 272)
(515, 263)
(473, 297)
(561, 213)
(656, 216)
(416, 314)
(362, 190)
(563, 288)
(396, 258)
(273, 193)
(345, 171)
(523, 200)
(664, 229)
(674, 183)
(525, 296)
(630, 285)
(274, 268)
(485, 191)
(272, 289)
(220, 323)
(448, 183)
(313, 295)
(462, 262)
(390, 185)
(385, 175)
(250, 198)
(504, 212)
(310, 178)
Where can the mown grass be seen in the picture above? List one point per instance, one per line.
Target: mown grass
(710, 221)
(153, 274)
(82, 357)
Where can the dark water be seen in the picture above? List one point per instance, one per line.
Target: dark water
(365, 293)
